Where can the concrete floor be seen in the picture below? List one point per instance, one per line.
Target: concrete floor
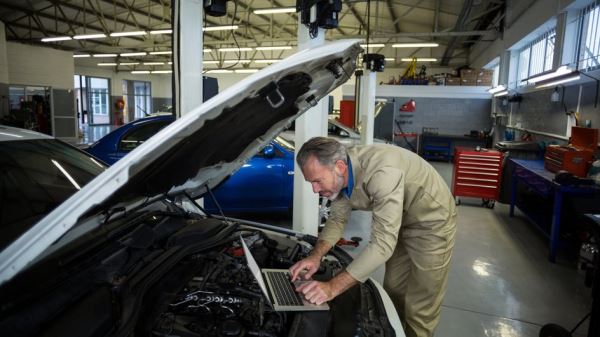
(501, 283)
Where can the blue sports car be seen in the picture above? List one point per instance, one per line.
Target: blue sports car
(264, 184)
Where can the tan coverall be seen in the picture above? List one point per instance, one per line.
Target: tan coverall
(414, 221)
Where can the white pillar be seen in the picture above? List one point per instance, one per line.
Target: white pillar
(312, 123)
(366, 108)
(187, 54)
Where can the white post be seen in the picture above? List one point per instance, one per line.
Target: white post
(366, 108)
(312, 123)
(187, 54)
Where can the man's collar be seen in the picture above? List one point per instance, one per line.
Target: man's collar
(350, 186)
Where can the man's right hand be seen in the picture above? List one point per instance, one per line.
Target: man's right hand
(310, 265)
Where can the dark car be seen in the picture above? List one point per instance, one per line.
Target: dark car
(133, 254)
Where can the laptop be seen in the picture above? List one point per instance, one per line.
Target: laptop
(278, 288)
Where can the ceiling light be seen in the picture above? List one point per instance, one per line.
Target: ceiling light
(390, 59)
(206, 50)
(105, 55)
(266, 61)
(143, 53)
(161, 31)
(56, 38)
(220, 71)
(566, 79)
(89, 36)
(141, 72)
(162, 71)
(419, 59)
(275, 10)
(237, 61)
(548, 75)
(210, 62)
(129, 63)
(373, 45)
(224, 50)
(274, 48)
(136, 33)
(501, 93)
(245, 71)
(161, 52)
(153, 63)
(496, 89)
(107, 64)
(213, 28)
(169, 62)
(415, 45)
(81, 55)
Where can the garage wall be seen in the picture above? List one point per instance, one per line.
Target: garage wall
(4, 106)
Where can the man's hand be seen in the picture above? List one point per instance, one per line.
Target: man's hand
(310, 265)
(317, 292)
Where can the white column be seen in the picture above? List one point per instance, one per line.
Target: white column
(366, 107)
(312, 123)
(187, 54)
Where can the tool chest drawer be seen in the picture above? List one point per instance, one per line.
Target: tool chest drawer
(477, 174)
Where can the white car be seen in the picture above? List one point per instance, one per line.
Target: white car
(132, 253)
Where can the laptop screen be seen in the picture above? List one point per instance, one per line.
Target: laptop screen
(255, 269)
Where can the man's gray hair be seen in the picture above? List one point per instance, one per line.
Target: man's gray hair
(327, 151)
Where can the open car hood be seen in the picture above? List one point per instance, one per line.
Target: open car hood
(198, 150)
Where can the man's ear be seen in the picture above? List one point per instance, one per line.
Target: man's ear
(340, 167)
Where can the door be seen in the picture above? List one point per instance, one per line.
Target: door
(98, 98)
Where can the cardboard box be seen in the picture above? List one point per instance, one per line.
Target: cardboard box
(468, 74)
(484, 82)
(485, 73)
(452, 81)
(468, 82)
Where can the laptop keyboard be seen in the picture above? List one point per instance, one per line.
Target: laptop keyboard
(283, 290)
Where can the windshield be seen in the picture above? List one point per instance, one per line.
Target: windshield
(287, 144)
(37, 176)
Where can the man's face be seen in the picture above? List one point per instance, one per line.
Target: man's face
(326, 181)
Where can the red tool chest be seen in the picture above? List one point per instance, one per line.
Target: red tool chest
(477, 174)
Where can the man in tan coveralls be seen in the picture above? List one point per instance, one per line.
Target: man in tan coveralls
(414, 221)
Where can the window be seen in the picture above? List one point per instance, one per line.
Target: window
(142, 94)
(139, 135)
(536, 57)
(589, 44)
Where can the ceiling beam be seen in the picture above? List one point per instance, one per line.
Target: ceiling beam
(393, 16)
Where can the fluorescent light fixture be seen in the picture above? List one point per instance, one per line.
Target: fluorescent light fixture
(107, 64)
(153, 63)
(275, 10)
(237, 61)
(496, 89)
(129, 63)
(206, 50)
(274, 48)
(141, 72)
(66, 174)
(501, 93)
(56, 38)
(105, 55)
(373, 45)
(162, 71)
(168, 52)
(266, 61)
(246, 71)
(415, 45)
(214, 28)
(224, 50)
(220, 71)
(419, 59)
(390, 59)
(136, 33)
(169, 62)
(89, 36)
(210, 62)
(142, 53)
(546, 76)
(81, 55)
(572, 78)
(161, 31)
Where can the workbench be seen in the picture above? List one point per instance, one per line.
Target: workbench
(441, 147)
(533, 175)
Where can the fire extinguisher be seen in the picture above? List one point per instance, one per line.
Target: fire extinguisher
(119, 106)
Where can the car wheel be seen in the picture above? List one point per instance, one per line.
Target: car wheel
(324, 209)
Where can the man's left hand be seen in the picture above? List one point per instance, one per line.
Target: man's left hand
(316, 292)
